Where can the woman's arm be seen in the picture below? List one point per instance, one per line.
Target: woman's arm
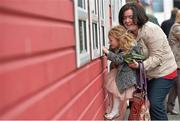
(157, 44)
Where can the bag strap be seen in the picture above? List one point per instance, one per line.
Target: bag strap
(143, 78)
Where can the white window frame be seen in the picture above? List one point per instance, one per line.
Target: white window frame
(94, 18)
(115, 8)
(81, 14)
(102, 21)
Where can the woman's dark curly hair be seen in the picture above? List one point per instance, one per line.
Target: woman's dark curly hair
(139, 14)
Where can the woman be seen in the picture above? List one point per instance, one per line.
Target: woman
(159, 63)
(174, 41)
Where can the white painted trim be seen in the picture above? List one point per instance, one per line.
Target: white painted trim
(117, 6)
(102, 21)
(107, 19)
(94, 19)
(82, 58)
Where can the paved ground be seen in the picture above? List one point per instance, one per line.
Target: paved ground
(177, 117)
(171, 117)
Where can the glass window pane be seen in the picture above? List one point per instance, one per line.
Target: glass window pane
(82, 36)
(93, 6)
(113, 10)
(103, 35)
(81, 4)
(95, 36)
(85, 36)
(102, 8)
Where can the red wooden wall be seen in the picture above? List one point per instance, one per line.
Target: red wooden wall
(38, 74)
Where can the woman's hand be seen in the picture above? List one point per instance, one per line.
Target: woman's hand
(134, 65)
(105, 50)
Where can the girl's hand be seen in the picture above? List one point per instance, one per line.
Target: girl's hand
(134, 65)
(105, 50)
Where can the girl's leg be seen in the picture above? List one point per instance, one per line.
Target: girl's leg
(109, 102)
(115, 109)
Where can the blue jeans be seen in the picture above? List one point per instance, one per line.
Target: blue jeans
(157, 92)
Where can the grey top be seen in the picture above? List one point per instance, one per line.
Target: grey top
(126, 76)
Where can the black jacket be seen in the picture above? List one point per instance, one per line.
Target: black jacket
(166, 25)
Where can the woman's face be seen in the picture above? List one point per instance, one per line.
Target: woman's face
(128, 21)
(113, 42)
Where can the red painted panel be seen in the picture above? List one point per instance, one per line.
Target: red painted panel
(21, 78)
(38, 74)
(100, 113)
(49, 8)
(70, 111)
(62, 92)
(97, 103)
(29, 36)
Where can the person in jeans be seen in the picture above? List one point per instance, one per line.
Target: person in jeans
(174, 41)
(159, 64)
(166, 26)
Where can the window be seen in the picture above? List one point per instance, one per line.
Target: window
(102, 24)
(82, 36)
(90, 29)
(81, 4)
(94, 27)
(93, 4)
(82, 32)
(116, 6)
(102, 8)
(95, 36)
(103, 36)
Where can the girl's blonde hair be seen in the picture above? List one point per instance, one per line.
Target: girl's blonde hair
(178, 16)
(126, 39)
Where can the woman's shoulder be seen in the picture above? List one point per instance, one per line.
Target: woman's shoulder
(149, 26)
(151, 30)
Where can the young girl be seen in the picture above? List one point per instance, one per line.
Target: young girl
(121, 80)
